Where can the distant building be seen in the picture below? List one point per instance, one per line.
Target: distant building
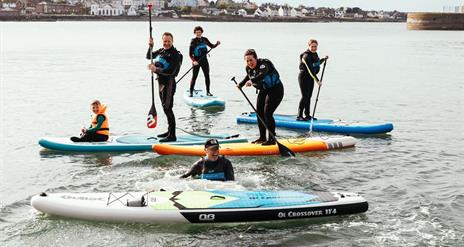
(8, 5)
(224, 2)
(270, 12)
(127, 2)
(59, 8)
(106, 9)
(241, 12)
(247, 4)
(212, 11)
(10, 8)
(132, 11)
(183, 3)
(340, 12)
(157, 4)
(358, 16)
(295, 13)
(372, 14)
(258, 13)
(202, 3)
(283, 11)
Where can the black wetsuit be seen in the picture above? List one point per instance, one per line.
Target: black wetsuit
(91, 134)
(221, 170)
(167, 63)
(306, 81)
(198, 50)
(271, 91)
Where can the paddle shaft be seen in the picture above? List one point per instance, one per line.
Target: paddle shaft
(319, 90)
(290, 152)
(151, 60)
(201, 58)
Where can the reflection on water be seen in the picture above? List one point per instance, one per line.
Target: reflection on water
(202, 120)
(92, 159)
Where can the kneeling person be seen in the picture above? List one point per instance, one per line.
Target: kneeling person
(99, 128)
(212, 166)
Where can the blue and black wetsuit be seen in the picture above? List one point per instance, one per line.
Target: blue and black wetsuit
(271, 91)
(220, 170)
(306, 80)
(198, 50)
(167, 63)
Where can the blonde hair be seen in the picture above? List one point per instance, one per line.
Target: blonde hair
(312, 41)
(95, 102)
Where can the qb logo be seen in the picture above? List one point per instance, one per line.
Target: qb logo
(206, 217)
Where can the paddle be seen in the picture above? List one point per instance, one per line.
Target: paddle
(283, 150)
(208, 136)
(152, 118)
(201, 58)
(318, 91)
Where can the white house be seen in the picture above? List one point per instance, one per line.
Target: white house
(372, 14)
(132, 11)
(106, 9)
(241, 12)
(283, 11)
(127, 2)
(269, 12)
(340, 12)
(383, 15)
(295, 12)
(258, 13)
(358, 16)
(116, 2)
(9, 5)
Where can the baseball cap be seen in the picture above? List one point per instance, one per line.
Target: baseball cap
(212, 143)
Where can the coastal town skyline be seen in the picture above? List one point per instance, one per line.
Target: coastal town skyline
(388, 5)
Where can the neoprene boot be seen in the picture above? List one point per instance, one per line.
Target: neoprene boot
(165, 134)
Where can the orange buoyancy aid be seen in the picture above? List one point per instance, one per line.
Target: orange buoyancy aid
(105, 127)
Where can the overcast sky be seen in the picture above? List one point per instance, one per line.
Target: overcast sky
(401, 5)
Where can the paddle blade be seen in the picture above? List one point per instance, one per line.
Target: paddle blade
(284, 151)
(152, 119)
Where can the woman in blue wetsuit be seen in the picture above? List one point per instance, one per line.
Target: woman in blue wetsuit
(198, 49)
(306, 78)
(262, 75)
(212, 166)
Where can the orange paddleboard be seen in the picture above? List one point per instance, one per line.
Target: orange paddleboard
(245, 149)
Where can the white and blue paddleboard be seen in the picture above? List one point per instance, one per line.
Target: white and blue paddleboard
(129, 143)
(320, 125)
(209, 206)
(200, 99)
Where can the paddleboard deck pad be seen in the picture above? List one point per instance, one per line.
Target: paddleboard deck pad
(210, 206)
(320, 125)
(200, 99)
(129, 143)
(245, 149)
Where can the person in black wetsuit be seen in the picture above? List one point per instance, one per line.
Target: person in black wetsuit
(307, 78)
(198, 49)
(212, 166)
(262, 74)
(166, 65)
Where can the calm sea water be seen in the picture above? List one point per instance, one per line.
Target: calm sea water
(413, 178)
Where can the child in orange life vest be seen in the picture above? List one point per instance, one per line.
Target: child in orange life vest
(99, 129)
